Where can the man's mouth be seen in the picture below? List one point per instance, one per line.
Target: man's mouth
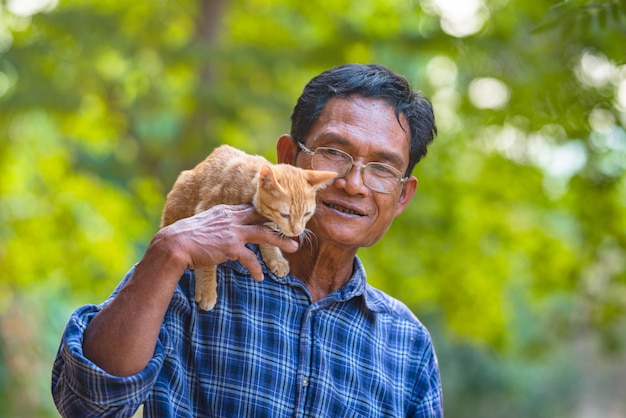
(343, 209)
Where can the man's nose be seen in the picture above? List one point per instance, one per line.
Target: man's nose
(354, 179)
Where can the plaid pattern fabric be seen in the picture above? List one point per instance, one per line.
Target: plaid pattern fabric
(264, 351)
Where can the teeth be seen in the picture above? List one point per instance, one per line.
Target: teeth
(344, 210)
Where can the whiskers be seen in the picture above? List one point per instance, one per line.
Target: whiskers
(307, 237)
(275, 227)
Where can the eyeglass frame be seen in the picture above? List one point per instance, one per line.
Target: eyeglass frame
(401, 180)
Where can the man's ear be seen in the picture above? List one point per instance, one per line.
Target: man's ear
(408, 191)
(286, 150)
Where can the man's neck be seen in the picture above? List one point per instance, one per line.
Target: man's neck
(323, 272)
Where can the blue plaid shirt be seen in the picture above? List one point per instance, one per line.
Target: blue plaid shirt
(265, 350)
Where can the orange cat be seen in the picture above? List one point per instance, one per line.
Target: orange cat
(282, 193)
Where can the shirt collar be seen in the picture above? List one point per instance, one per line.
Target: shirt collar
(356, 287)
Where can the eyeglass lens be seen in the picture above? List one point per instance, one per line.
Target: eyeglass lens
(377, 176)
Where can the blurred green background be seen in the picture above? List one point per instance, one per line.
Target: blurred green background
(513, 252)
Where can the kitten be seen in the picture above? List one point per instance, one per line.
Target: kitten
(283, 193)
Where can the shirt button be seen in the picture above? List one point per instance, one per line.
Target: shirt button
(305, 382)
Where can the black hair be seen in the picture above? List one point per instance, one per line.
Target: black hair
(370, 81)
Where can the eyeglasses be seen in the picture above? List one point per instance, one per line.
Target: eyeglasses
(379, 177)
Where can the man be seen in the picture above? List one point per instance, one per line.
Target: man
(317, 343)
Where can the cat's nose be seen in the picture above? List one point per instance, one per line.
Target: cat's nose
(296, 230)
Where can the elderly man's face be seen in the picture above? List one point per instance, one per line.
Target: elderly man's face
(348, 213)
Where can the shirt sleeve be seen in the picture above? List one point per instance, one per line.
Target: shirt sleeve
(80, 388)
(427, 393)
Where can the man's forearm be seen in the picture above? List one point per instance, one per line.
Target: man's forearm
(122, 337)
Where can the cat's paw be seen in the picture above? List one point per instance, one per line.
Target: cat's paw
(206, 301)
(279, 267)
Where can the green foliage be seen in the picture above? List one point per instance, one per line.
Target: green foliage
(515, 241)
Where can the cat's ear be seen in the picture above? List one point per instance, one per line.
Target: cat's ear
(268, 181)
(319, 179)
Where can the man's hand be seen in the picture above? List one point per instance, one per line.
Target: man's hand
(220, 234)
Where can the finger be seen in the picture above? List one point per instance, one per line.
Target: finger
(261, 234)
(249, 260)
(286, 244)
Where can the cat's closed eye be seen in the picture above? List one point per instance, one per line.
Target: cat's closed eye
(284, 215)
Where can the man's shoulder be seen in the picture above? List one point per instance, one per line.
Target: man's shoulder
(381, 302)
(398, 321)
